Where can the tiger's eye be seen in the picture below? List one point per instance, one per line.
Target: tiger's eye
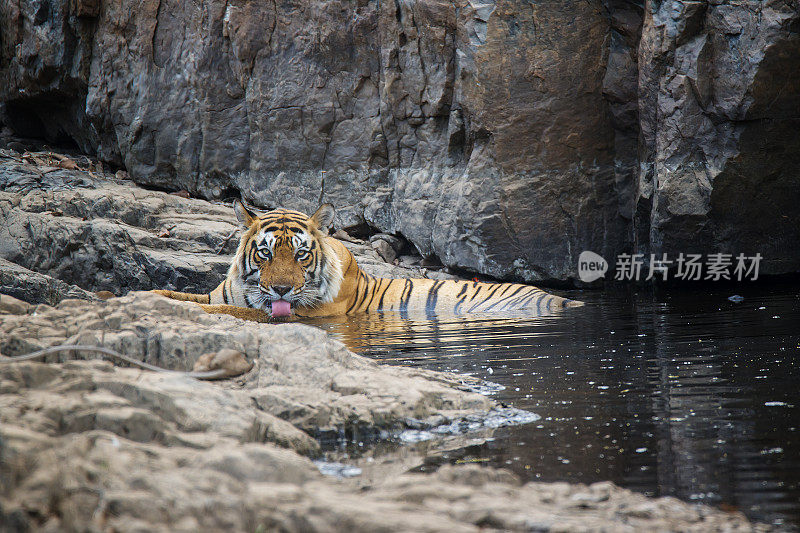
(263, 253)
(302, 254)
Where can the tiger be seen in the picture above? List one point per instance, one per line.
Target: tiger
(287, 265)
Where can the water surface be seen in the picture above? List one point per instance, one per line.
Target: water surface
(681, 393)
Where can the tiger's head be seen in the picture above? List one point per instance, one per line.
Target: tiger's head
(283, 260)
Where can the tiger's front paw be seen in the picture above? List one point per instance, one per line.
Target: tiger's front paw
(168, 294)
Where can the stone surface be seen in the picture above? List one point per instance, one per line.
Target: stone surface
(34, 287)
(233, 362)
(301, 375)
(103, 234)
(384, 250)
(720, 130)
(88, 445)
(502, 137)
(65, 232)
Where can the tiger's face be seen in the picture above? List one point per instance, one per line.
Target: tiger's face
(283, 261)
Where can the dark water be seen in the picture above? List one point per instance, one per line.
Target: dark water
(682, 393)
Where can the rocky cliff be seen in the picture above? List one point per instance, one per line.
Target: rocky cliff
(502, 137)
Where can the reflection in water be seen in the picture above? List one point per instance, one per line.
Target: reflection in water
(423, 332)
(678, 394)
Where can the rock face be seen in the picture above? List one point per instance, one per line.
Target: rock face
(720, 130)
(87, 445)
(503, 137)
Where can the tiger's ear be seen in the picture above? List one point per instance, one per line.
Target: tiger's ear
(245, 216)
(323, 218)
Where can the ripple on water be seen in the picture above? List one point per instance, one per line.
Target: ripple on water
(498, 418)
(337, 470)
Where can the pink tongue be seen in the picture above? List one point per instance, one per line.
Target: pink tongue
(281, 308)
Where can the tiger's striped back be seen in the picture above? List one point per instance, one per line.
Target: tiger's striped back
(451, 296)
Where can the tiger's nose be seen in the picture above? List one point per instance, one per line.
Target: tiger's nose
(282, 290)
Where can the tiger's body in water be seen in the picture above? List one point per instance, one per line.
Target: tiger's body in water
(286, 264)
